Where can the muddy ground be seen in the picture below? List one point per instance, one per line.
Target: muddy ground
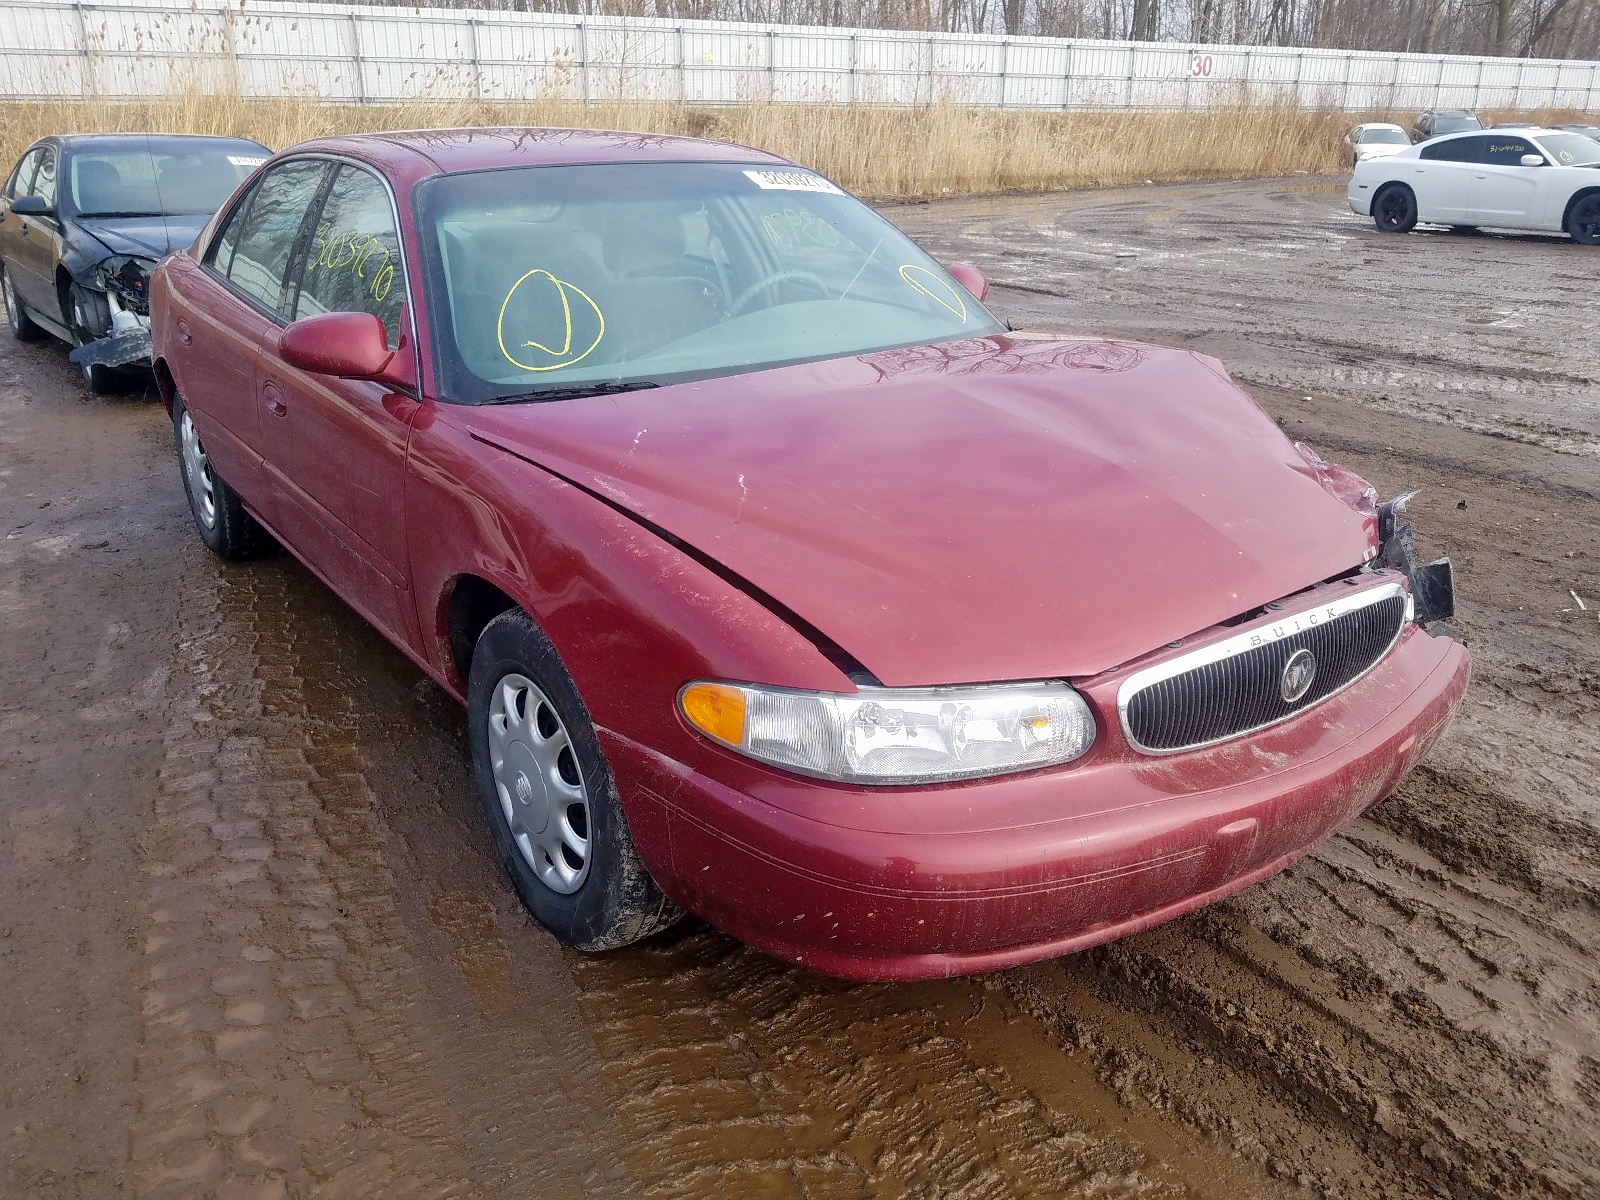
(253, 941)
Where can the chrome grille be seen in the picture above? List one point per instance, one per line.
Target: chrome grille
(1238, 685)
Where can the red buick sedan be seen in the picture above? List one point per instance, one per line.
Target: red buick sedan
(782, 582)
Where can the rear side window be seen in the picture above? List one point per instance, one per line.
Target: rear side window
(1507, 151)
(353, 262)
(255, 259)
(1463, 150)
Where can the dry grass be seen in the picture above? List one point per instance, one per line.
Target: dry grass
(877, 152)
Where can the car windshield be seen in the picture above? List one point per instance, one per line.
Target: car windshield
(1382, 137)
(1571, 149)
(1455, 124)
(563, 279)
(186, 179)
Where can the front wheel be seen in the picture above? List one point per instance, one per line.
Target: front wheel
(91, 320)
(1583, 222)
(224, 526)
(21, 325)
(548, 793)
(1394, 210)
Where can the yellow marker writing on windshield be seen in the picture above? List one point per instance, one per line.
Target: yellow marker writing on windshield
(563, 352)
(930, 285)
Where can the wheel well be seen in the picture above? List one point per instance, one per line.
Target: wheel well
(165, 384)
(64, 295)
(1576, 196)
(473, 603)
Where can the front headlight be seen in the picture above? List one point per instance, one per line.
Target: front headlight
(896, 735)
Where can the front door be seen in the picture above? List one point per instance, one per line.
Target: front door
(1504, 192)
(32, 252)
(340, 444)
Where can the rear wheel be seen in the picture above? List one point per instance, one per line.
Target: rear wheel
(1394, 209)
(1583, 221)
(227, 530)
(547, 790)
(21, 325)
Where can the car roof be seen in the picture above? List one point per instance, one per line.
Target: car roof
(1380, 125)
(142, 141)
(455, 150)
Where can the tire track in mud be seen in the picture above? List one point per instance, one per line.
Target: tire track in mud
(1413, 1009)
(275, 1057)
(733, 1074)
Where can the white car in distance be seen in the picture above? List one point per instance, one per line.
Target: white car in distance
(1375, 139)
(1542, 179)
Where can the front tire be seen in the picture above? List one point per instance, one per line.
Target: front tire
(1394, 209)
(89, 313)
(1583, 221)
(224, 526)
(548, 793)
(21, 325)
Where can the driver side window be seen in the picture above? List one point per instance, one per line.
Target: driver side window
(44, 183)
(22, 177)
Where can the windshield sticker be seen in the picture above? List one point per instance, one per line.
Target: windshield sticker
(533, 309)
(787, 229)
(792, 181)
(350, 249)
(941, 293)
(247, 160)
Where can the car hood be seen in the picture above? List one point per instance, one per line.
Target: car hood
(146, 237)
(1380, 151)
(991, 509)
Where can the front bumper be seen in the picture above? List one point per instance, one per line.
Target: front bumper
(980, 876)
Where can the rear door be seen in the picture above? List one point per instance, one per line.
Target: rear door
(340, 444)
(229, 317)
(1504, 192)
(1441, 177)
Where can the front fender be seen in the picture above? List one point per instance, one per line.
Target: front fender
(633, 617)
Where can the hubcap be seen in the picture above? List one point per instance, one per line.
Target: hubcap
(538, 784)
(197, 471)
(1587, 218)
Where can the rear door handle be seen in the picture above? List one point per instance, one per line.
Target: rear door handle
(276, 404)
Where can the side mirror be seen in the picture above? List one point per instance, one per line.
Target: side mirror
(1533, 160)
(32, 206)
(346, 345)
(969, 277)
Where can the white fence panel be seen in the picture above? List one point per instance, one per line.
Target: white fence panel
(130, 48)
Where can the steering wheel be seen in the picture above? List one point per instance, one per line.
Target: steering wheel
(737, 307)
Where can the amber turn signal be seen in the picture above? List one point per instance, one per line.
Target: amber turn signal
(716, 710)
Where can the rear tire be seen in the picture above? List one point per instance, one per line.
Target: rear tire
(21, 325)
(548, 793)
(224, 526)
(1583, 221)
(1394, 209)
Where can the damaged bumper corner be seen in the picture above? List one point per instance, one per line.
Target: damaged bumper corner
(1433, 590)
(128, 343)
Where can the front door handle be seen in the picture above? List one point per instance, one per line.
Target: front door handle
(276, 405)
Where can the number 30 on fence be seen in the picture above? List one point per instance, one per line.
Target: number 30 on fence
(1201, 66)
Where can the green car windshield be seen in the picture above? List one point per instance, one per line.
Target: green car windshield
(552, 280)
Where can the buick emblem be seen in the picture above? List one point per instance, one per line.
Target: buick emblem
(1298, 673)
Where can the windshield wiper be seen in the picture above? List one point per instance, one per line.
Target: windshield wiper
(574, 391)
